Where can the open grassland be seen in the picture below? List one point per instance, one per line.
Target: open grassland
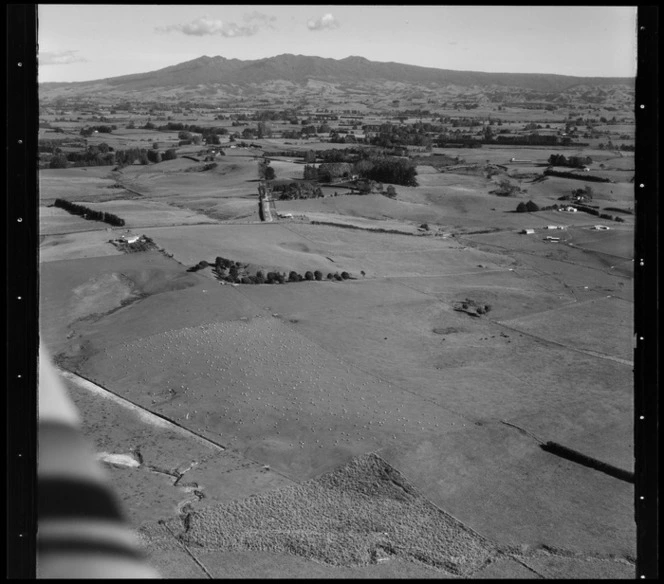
(301, 247)
(263, 388)
(71, 246)
(169, 463)
(91, 183)
(74, 291)
(604, 325)
(55, 221)
(138, 213)
(578, 246)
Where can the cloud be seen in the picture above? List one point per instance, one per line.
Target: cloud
(59, 58)
(205, 26)
(326, 21)
(259, 18)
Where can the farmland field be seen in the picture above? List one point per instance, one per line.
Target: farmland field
(372, 426)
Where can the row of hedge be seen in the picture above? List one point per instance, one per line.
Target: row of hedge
(596, 213)
(88, 213)
(575, 175)
(372, 229)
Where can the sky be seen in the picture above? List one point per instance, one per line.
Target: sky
(84, 42)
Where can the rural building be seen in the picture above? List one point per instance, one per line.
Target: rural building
(528, 231)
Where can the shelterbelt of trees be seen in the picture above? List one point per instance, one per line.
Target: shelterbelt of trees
(104, 155)
(88, 213)
(385, 169)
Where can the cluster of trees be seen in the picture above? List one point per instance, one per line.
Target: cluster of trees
(394, 170)
(289, 190)
(89, 130)
(131, 155)
(95, 155)
(390, 135)
(506, 188)
(104, 155)
(377, 168)
(51, 146)
(528, 207)
(291, 134)
(581, 195)
(572, 161)
(187, 131)
(287, 153)
(265, 171)
(473, 307)
(329, 171)
(340, 137)
(236, 272)
(532, 140)
(342, 155)
(88, 213)
(611, 146)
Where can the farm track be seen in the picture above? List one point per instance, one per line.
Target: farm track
(564, 346)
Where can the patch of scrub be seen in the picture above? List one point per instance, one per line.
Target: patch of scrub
(361, 513)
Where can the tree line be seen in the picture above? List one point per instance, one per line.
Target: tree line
(104, 155)
(90, 214)
(572, 161)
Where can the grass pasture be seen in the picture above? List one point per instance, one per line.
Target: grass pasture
(263, 389)
(604, 325)
(138, 213)
(56, 221)
(72, 246)
(394, 435)
(88, 183)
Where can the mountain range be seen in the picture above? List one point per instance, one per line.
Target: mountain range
(219, 76)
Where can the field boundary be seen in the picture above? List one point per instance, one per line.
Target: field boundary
(146, 415)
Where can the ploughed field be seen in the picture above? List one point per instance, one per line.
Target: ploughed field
(359, 428)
